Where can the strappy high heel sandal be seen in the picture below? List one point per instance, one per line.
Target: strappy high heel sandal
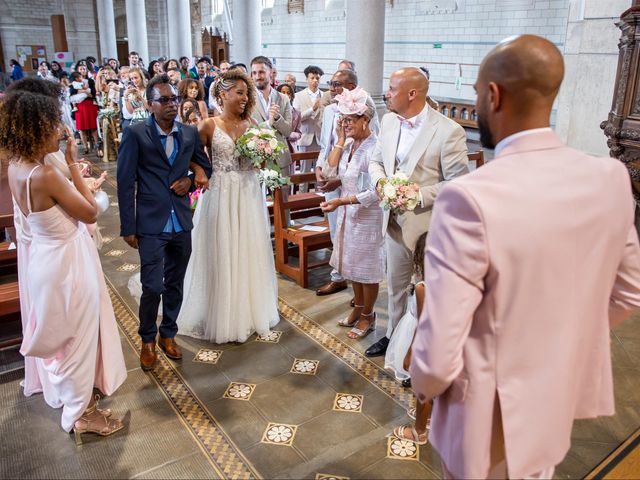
(357, 333)
(345, 321)
(417, 438)
(93, 421)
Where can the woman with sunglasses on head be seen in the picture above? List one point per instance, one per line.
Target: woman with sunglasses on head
(358, 248)
(135, 95)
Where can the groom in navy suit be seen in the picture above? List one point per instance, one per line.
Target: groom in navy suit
(153, 187)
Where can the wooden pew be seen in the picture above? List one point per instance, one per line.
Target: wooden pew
(9, 293)
(463, 113)
(303, 241)
(477, 157)
(302, 203)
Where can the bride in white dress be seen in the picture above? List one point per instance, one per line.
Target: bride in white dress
(230, 288)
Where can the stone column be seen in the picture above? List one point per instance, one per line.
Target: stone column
(107, 29)
(137, 29)
(365, 44)
(247, 31)
(179, 22)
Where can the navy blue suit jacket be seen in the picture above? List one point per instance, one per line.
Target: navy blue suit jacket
(144, 177)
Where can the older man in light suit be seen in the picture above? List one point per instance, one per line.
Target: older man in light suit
(529, 262)
(430, 149)
(272, 107)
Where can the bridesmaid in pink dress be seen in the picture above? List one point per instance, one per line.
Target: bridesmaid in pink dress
(69, 329)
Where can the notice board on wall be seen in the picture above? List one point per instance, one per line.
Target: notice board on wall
(30, 56)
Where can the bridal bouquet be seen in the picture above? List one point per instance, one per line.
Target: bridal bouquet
(260, 145)
(272, 179)
(398, 194)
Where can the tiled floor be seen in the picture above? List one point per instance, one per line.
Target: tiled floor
(301, 403)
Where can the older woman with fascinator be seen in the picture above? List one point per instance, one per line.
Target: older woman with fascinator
(358, 252)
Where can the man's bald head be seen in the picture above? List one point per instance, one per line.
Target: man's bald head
(528, 67)
(407, 92)
(517, 84)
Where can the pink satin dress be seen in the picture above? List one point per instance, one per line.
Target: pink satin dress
(70, 336)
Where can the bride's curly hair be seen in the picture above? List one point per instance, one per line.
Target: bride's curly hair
(226, 82)
(26, 121)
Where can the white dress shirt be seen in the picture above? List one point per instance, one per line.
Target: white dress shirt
(408, 135)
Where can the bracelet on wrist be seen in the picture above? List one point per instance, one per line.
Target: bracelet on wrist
(341, 147)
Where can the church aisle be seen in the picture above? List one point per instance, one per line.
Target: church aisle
(303, 402)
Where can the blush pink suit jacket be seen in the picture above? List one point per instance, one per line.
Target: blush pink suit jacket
(530, 260)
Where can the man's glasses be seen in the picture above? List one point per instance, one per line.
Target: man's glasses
(166, 100)
(335, 84)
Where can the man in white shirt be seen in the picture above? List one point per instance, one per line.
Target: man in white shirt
(308, 104)
(342, 79)
(430, 149)
(272, 107)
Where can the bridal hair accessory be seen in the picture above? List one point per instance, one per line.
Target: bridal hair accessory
(352, 102)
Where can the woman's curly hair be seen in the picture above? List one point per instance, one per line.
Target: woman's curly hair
(26, 121)
(183, 88)
(226, 82)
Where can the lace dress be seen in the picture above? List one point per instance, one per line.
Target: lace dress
(230, 288)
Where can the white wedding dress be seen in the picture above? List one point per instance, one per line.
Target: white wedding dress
(230, 288)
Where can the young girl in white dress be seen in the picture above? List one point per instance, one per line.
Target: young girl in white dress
(230, 288)
(398, 355)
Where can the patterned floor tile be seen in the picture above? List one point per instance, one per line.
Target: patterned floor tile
(347, 402)
(239, 391)
(279, 434)
(399, 449)
(115, 253)
(107, 239)
(305, 367)
(328, 476)
(271, 337)
(206, 355)
(128, 267)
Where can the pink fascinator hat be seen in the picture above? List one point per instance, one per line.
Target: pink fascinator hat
(352, 102)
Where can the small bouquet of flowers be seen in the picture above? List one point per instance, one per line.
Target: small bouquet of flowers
(260, 145)
(272, 179)
(398, 194)
(194, 197)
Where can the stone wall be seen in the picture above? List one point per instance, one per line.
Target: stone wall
(29, 23)
(591, 60)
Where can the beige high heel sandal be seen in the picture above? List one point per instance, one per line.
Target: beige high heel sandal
(345, 321)
(95, 421)
(357, 333)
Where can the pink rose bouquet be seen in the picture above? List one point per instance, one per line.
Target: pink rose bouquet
(260, 145)
(399, 195)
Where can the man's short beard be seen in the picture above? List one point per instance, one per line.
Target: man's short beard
(486, 137)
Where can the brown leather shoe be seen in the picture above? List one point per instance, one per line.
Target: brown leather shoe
(331, 287)
(170, 348)
(148, 356)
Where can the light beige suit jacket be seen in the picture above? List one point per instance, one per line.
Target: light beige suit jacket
(529, 262)
(311, 120)
(438, 155)
(282, 125)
